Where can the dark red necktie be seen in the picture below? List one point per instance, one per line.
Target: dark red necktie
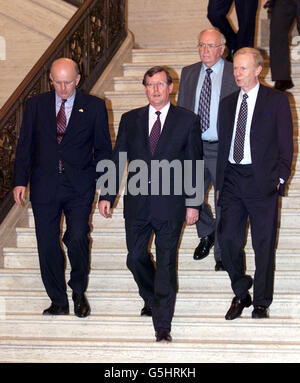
(61, 121)
(155, 133)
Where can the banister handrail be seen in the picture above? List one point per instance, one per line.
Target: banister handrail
(91, 38)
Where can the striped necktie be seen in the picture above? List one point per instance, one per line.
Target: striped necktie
(61, 121)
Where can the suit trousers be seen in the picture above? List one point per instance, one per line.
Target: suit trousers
(246, 14)
(283, 14)
(241, 199)
(157, 282)
(207, 223)
(48, 217)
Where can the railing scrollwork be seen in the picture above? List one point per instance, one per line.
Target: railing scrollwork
(91, 38)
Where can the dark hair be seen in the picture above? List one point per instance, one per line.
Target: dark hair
(157, 69)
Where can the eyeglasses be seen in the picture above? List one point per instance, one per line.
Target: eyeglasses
(65, 83)
(160, 84)
(209, 46)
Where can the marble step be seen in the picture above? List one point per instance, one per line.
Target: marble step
(288, 238)
(165, 56)
(129, 303)
(186, 56)
(121, 280)
(109, 328)
(94, 351)
(143, 351)
(175, 67)
(289, 218)
(115, 259)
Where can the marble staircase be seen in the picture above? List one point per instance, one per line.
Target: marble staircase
(114, 332)
(28, 27)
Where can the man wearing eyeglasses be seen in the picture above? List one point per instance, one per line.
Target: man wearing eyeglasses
(158, 132)
(64, 134)
(202, 86)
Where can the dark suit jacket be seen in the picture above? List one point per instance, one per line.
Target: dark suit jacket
(189, 80)
(271, 138)
(86, 141)
(180, 140)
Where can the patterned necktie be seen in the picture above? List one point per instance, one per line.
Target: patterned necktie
(61, 121)
(238, 148)
(204, 101)
(155, 133)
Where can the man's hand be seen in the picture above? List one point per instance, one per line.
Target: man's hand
(19, 193)
(192, 216)
(104, 208)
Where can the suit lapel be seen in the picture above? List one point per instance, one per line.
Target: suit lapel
(142, 123)
(231, 113)
(50, 111)
(258, 109)
(75, 117)
(194, 83)
(227, 74)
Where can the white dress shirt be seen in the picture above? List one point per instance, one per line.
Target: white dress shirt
(251, 101)
(153, 116)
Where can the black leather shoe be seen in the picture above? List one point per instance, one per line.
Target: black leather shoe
(81, 305)
(237, 307)
(56, 310)
(202, 250)
(219, 266)
(283, 84)
(260, 312)
(146, 311)
(163, 335)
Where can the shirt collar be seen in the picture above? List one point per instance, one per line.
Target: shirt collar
(216, 67)
(70, 99)
(163, 110)
(253, 92)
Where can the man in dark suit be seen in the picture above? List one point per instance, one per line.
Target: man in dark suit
(157, 133)
(246, 14)
(193, 95)
(283, 15)
(64, 134)
(254, 164)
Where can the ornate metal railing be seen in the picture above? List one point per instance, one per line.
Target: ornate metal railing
(77, 3)
(91, 38)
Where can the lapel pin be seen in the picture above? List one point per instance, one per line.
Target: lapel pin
(80, 110)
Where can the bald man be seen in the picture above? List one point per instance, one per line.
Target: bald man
(64, 134)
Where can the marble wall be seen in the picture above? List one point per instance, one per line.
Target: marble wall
(177, 23)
